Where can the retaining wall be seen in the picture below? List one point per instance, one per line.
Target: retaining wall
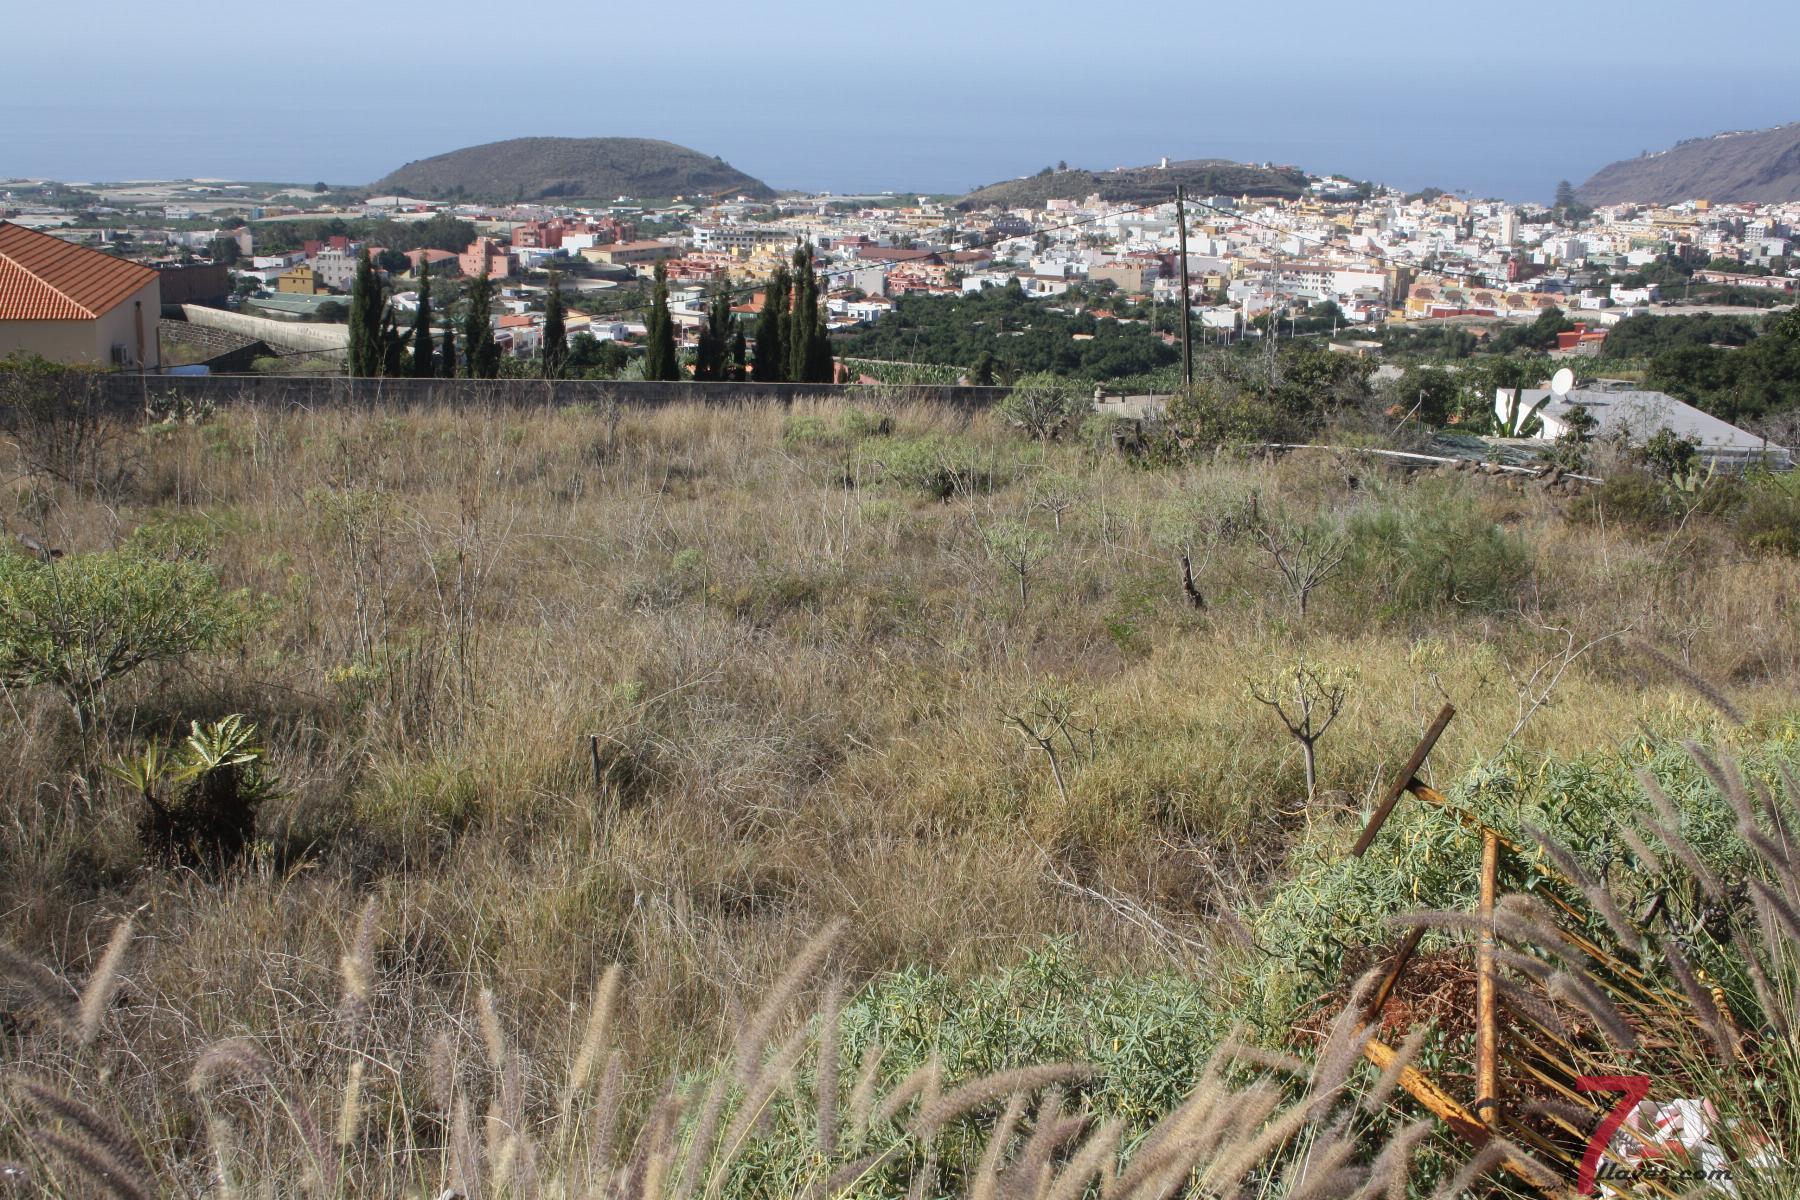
(290, 335)
(325, 391)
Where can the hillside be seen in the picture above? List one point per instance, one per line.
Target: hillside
(1141, 185)
(525, 692)
(542, 168)
(1761, 167)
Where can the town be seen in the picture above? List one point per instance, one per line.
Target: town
(1357, 257)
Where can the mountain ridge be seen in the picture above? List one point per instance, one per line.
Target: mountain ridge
(1142, 185)
(1757, 166)
(565, 168)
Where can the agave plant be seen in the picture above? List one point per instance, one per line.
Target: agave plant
(1513, 423)
(201, 797)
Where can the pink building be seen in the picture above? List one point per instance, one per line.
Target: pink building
(485, 255)
(544, 235)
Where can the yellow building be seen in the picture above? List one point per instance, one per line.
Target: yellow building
(298, 281)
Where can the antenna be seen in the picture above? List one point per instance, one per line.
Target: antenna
(1562, 383)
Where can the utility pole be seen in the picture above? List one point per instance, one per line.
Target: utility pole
(1187, 343)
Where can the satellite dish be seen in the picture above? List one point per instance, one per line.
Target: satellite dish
(1562, 383)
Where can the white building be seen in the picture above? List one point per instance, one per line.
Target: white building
(1621, 411)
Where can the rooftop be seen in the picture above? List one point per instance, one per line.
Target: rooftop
(1640, 414)
(44, 278)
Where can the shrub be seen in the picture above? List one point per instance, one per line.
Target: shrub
(55, 417)
(1635, 498)
(1433, 551)
(806, 430)
(1045, 406)
(937, 465)
(77, 623)
(1769, 522)
(1227, 415)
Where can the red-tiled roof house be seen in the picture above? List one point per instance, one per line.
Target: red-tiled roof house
(75, 305)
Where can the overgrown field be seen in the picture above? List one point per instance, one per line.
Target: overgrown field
(539, 692)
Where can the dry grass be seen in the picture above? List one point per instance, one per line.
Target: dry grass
(796, 689)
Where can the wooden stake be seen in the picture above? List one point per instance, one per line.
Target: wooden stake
(1487, 1033)
(1386, 808)
(594, 753)
(1461, 1121)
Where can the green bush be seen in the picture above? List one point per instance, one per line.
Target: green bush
(1769, 521)
(1045, 406)
(1633, 498)
(1434, 550)
(76, 623)
(851, 427)
(938, 465)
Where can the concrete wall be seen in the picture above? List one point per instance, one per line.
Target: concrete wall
(314, 391)
(291, 335)
(129, 324)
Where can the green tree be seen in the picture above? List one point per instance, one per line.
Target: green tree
(393, 346)
(423, 366)
(481, 355)
(740, 356)
(1565, 196)
(771, 330)
(660, 362)
(982, 375)
(76, 623)
(1045, 406)
(446, 359)
(808, 347)
(1428, 394)
(712, 357)
(556, 344)
(367, 307)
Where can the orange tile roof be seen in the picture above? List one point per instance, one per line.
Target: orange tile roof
(44, 278)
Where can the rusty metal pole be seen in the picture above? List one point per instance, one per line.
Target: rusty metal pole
(1487, 1037)
(1187, 332)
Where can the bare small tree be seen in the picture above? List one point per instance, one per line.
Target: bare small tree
(1303, 556)
(1018, 548)
(1050, 721)
(1055, 493)
(1308, 697)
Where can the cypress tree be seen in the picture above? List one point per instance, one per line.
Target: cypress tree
(771, 328)
(365, 320)
(819, 365)
(713, 357)
(660, 362)
(392, 345)
(422, 365)
(740, 354)
(800, 314)
(447, 355)
(481, 356)
(556, 338)
(808, 347)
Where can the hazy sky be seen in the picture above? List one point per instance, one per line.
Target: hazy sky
(1498, 99)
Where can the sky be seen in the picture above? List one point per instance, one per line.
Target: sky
(1499, 100)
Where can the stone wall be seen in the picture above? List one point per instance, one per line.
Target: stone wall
(284, 335)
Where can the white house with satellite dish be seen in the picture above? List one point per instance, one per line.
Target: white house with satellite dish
(1625, 412)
